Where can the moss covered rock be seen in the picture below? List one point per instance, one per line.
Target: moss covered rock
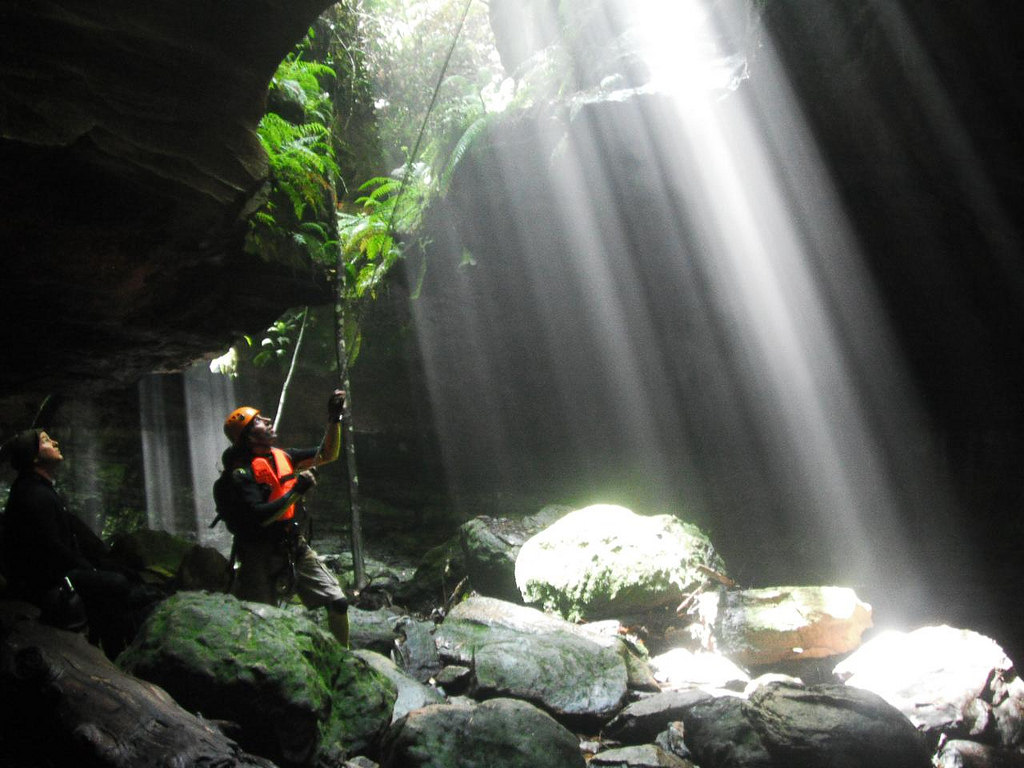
(606, 561)
(295, 693)
(578, 676)
(504, 732)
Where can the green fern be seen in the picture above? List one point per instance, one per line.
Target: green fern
(465, 141)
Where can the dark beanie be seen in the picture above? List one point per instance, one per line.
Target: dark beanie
(22, 449)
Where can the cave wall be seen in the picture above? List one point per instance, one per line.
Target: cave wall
(128, 164)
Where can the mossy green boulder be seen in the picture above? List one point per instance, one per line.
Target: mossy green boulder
(296, 695)
(605, 561)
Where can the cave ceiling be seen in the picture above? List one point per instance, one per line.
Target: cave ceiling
(129, 162)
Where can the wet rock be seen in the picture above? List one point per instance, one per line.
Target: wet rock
(519, 652)
(604, 561)
(295, 693)
(645, 756)
(947, 681)
(642, 721)
(757, 627)
(512, 734)
(412, 694)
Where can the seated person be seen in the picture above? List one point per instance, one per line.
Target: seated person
(52, 559)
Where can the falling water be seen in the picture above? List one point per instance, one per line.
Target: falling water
(163, 441)
(182, 442)
(208, 398)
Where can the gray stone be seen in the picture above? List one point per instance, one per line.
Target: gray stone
(721, 734)
(412, 694)
(499, 732)
(808, 727)
(415, 651)
(641, 721)
(373, 630)
(522, 653)
(644, 756)
(490, 546)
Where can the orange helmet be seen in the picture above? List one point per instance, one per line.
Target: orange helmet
(237, 421)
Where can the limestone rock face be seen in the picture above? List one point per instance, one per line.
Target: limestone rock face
(128, 163)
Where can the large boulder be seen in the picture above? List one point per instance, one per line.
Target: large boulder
(949, 682)
(605, 560)
(491, 545)
(807, 727)
(292, 689)
(512, 734)
(757, 627)
(785, 725)
(521, 653)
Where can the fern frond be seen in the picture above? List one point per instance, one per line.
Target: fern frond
(467, 139)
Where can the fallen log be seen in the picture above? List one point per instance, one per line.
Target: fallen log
(65, 703)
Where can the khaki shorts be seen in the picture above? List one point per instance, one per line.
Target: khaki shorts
(264, 576)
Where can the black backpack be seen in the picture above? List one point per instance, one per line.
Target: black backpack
(239, 520)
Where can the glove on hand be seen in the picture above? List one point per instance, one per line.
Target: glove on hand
(336, 404)
(305, 480)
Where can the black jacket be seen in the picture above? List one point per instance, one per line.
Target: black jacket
(40, 537)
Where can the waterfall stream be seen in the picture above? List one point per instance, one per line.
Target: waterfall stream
(181, 416)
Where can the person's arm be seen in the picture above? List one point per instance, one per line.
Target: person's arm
(330, 446)
(251, 494)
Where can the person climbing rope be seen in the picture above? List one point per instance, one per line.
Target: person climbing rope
(259, 497)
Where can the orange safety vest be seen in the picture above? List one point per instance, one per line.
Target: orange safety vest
(280, 477)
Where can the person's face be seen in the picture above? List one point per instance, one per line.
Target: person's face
(49, 450)
(261, 431)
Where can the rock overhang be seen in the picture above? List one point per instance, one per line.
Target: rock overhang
(129, 163)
